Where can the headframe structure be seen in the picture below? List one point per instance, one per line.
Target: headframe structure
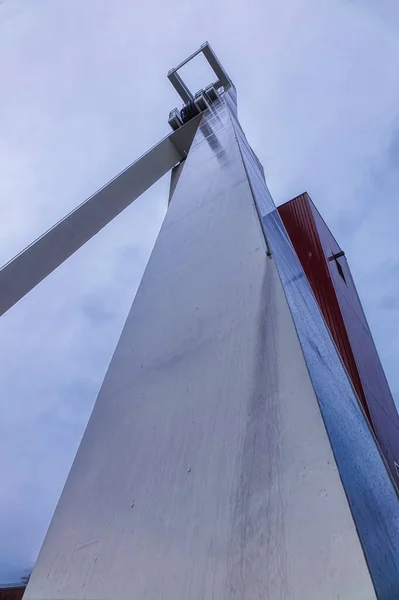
(227, 455)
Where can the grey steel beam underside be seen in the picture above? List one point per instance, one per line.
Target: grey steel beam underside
(32, 265)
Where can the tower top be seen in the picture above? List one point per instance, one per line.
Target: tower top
(195, 103)
(222, 79)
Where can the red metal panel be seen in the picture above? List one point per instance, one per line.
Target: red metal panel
(381, 406)
(300, 225)
(335, 291)
(12, 593)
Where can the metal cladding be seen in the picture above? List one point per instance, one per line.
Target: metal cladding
(227, 456)
(12, 592)
(370, 491)
(328, 273)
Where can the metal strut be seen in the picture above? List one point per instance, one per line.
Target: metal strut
(22, 273)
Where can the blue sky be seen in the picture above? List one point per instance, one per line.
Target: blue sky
(84, 93)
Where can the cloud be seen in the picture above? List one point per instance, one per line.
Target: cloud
(386, 10)
(84, 93)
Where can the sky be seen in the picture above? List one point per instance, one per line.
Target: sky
(83, 93)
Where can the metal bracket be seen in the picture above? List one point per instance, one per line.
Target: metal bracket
(223, 80)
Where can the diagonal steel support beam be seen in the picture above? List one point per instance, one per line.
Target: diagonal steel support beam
(32, 265)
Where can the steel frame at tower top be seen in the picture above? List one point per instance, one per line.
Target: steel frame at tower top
(222, 81)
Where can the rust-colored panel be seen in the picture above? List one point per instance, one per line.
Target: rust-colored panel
(381, 406)
(12, 593)
(332, 284)
(300, 225)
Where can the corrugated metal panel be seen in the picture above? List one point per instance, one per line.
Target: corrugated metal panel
(298, 219)
(12, 592)
(335, 291)
(378, 396)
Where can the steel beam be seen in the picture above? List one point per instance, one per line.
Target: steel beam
(180, 86)
(43, 256)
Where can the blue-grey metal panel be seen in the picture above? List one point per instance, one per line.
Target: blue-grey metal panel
(205, 471)
(369, 488)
